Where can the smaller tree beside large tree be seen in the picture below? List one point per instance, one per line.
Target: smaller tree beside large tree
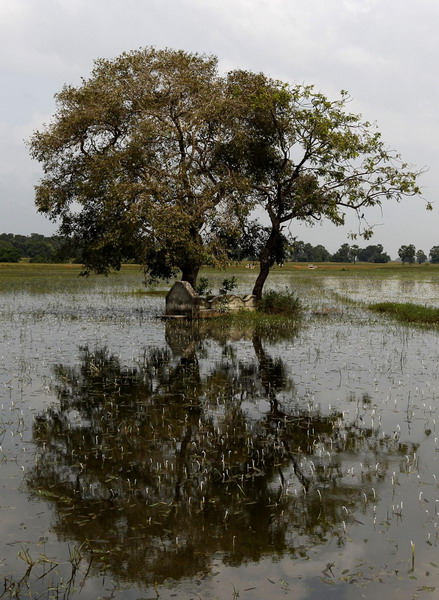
(307, 158)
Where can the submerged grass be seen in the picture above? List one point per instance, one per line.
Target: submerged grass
(145, 292)
(408, 312)
(270, 327)
(277, 316)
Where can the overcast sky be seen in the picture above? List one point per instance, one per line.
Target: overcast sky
(384, 52)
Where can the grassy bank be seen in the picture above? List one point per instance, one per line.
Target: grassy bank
(408, 313)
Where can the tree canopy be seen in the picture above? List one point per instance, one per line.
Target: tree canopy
(131, 164)
(434, 255)
(37, 248)
(373, 253)
(343, 254)
(8, 253)
(407, 253)
(306, 252)
(421, 257)
(159, 157)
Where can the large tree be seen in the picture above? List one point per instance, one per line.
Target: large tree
(307, 158)
(131, 166)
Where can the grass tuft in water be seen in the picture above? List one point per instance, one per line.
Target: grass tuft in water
(274, 302)
(408, 312)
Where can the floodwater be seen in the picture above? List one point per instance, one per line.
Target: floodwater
(146, 459)
(425, 292)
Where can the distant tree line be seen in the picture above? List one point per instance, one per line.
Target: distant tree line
(409, 254)
(57, 249)
(302, 252)
(298, 251)
(374, 253)
(38, 248)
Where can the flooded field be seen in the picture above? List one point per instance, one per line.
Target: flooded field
(145, 459)
(425, 292)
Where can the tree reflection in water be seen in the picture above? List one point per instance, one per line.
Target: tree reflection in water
(161, 467)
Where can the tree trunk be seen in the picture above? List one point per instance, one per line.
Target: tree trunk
(190, 274)
(189, 264)
(266, 261)
(264, 270)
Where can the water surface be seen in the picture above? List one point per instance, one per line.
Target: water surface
(144, 459)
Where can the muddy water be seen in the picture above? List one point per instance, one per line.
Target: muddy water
(143, 459)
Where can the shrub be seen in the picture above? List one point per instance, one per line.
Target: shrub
(39, 259)
(8, 253)
(279, 303)
(228, 285)
(202, 287)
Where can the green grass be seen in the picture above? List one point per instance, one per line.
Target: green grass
(408, 313)
(274, 302)
(61, 278)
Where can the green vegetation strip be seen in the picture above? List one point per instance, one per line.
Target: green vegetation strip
(408, 312)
